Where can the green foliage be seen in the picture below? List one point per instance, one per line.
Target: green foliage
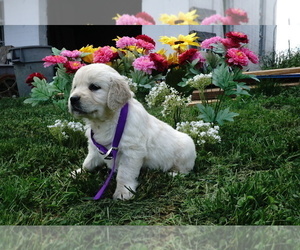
(143, 80)
(282, 59)
(56, 92)
(230, 81)
(208, 114)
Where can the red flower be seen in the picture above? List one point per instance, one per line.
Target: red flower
(146, 17)
(230, 43)
(144, 45)
(29, 80)
(73, 66)
(145, 38)
(190, 55)
(160, 63)
(237, 37)
(237, 16)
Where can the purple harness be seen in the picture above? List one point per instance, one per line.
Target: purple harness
(112, 152)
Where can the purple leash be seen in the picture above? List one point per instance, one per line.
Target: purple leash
(112, 152)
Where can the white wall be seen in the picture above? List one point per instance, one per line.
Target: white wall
(25, 35)
(24, 22)
(25, 12)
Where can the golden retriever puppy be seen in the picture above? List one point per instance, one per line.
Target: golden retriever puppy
(98, 94)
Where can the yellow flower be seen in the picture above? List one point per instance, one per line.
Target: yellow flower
(188, 18)
(181, 19)
(168, 19)
(88, 49)
(172, 59)
(116, 17)
(181, 42)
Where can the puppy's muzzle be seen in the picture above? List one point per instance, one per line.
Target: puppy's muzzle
(75, 100)
(75, 103)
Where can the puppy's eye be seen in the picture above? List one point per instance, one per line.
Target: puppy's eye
(94, 87)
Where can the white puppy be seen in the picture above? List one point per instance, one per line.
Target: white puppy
(98, 94)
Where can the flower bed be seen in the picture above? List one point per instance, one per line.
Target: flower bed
(217, 62)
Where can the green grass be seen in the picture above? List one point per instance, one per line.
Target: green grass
(251, 178)
(283, 59)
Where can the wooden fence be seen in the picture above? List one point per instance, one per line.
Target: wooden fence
(292, 75)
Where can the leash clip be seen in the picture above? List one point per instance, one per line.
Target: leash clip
(108, 155)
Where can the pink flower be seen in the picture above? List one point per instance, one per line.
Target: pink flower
(236, 57)
(132, 20)
(141, 18)
(104, 55)
(251, 55)
(145, 45)
(144, 63)
(126, 41)
(237, 16)
(228, 20)
(141, 21)
(214, 19)
(70, 54)
(52, 60)
(207, 43)
(73, 66)
(126, 20)
(146, 17)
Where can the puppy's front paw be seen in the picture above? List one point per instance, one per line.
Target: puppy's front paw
(123, 194)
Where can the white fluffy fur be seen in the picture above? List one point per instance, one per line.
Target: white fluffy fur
(146, 141)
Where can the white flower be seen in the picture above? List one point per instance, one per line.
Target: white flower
(65, 135)
(132, 85)
(157, 94)
(200, 131)
(200, 81)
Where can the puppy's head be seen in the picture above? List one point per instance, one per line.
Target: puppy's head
(96, 90)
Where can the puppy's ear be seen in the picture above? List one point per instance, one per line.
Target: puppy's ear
(119, 93)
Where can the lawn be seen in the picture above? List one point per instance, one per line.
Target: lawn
(251, 178)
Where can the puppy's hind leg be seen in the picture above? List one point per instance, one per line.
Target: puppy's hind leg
(186, 160)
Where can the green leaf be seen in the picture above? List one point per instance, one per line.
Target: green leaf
(42, 92)
(83, 54)
(194, 71)
(207, 113)
(219, 48)
(212, 59)
(239, 75)
(242, 89)
(182, 84)
(225, 115)
(56, 51)
(62, 104)
(222, 77)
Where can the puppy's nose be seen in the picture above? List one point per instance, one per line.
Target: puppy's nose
(74, 99)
